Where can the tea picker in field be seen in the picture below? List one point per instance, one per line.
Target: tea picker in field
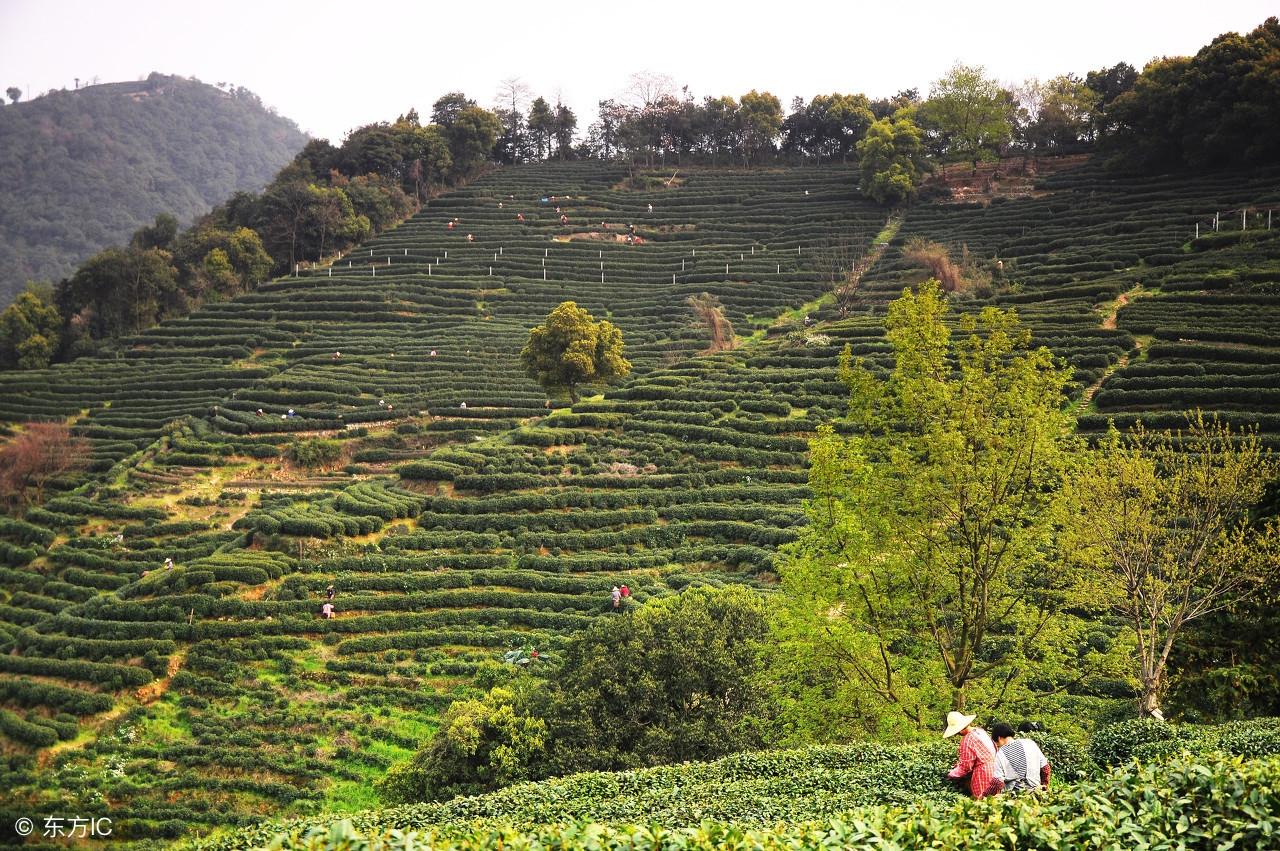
(1020, 763)
(977, 759)
(616, 596)
(327, 611)
(329, 592)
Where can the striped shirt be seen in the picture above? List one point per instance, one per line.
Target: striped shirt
(1020, 764)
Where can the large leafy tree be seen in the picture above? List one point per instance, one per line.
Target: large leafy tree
(674, 680)
(892, 160)
(120, 291)
(1056, 115)
(760, 114)
(565, 123)
(1164, 519)
(928, 568)
(542, 127)
(970, 113)
(829, 126)
(471, 134)
(29, 329)
(571, 349)
(1218, 108)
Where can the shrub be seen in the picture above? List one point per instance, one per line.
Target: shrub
(317, 452)
(1114, 744)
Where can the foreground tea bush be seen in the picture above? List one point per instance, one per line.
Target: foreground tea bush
(1211, 803)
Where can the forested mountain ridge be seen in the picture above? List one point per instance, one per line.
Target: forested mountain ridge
(81, 170)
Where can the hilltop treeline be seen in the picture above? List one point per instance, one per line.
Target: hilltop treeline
(1219, 107)
(82, 169)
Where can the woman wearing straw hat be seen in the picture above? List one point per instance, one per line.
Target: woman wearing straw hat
(977, 756)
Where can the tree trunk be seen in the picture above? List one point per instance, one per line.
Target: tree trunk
(1149, 703)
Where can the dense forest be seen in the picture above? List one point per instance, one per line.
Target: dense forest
(81, 170)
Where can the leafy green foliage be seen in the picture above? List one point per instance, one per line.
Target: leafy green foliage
(1165, 520)
(891, 159)
(672, 681)
(483, 744)
(1214, 109)
(929, 562)
(967, 113)
(571, 349)
(29, 330)
(317, 452)
(819, 798)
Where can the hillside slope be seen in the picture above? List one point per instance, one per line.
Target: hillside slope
(81, 170)
(212, 694)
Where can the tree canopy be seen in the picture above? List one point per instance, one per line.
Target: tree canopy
(571, 349)
(1165, 520)
(928, 569)
(676, 679)
(891, 159)
(968, 113)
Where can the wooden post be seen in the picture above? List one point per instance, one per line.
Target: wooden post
(330, 271)
(673, 277)
(499, 249)
(406, 252)
(446, 254)
(546, 252)
(726, 268)
(1244, 222)
(797, 251)
(779, 272)
(490, 271)
(428, 269)
(544, 273)
(681, 264)
(1197, 230)
(374, 270)
(602, 277)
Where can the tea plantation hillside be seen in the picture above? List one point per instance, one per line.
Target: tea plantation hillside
(1108, 271)
(464, 515)
(214, 687)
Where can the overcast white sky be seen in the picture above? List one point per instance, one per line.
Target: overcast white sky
(332, 66)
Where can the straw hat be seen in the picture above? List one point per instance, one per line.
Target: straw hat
(957, 721)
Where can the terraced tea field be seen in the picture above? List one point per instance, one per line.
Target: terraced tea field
(1108, 272)
(466, 517)
(468, 513)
